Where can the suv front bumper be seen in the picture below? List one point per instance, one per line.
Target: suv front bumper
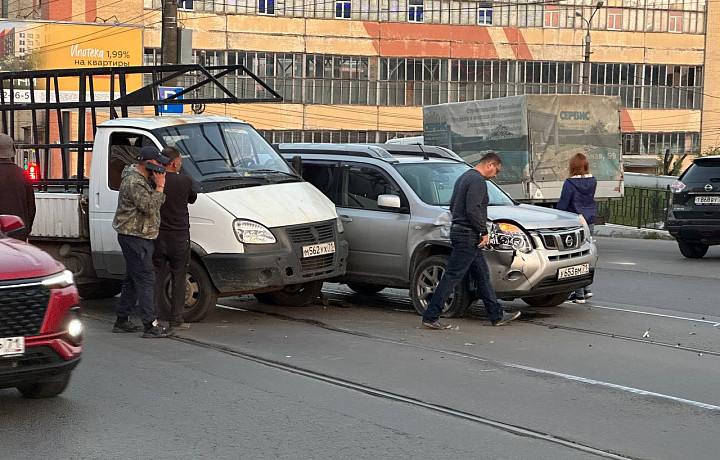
(38, 364)
(540, 270)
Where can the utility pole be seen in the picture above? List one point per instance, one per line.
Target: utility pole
(169, 40)
(586, 62)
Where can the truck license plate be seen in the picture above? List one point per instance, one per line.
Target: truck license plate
(12, 346)
(708, 200)
(575, 270)
(313, 250)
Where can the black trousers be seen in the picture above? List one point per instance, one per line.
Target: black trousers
(171, 250)
(139, 283)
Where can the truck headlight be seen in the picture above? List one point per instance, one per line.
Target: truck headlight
(339, 224)
(504, 235)
(249, 232)
(59, 280)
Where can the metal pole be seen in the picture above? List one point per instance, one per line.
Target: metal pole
(169, 41)
(586, 63)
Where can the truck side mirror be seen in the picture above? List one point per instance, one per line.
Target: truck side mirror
(297, 164)
(388, 201)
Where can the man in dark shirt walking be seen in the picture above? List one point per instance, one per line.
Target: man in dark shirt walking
(172, 246)
(16, 191)
(469, 235)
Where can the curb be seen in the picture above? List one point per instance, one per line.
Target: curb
(624, 231)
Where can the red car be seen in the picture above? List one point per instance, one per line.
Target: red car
(40, 329)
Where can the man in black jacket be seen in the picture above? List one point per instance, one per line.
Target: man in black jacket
(469, 235)
(16, 191)
(172, 246)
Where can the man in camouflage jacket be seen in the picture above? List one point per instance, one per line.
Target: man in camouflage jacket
(137, 222)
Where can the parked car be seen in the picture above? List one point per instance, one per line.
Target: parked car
(40, 329)
(694, 216)
(393, 201)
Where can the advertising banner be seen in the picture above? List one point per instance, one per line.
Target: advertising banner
(28, 45)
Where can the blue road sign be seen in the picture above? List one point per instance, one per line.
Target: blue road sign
(166, 91)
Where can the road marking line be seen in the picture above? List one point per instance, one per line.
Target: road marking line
(714, 323)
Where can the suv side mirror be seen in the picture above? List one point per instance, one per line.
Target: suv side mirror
(388, 201)
(10, 223)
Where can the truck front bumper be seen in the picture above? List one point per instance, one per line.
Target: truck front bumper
(266, 271)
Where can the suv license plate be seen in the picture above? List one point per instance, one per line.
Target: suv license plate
(707, 200)
(318, 249)
(575, 270)
(12, 346)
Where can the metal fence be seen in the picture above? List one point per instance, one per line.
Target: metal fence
(639, 207)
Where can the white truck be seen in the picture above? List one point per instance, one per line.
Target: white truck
(535, 135)
(256, 226)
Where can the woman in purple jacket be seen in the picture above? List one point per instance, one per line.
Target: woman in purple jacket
(578, 196)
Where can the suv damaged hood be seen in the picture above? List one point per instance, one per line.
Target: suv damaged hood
(19, 260)
(534, 217)
(277, 205)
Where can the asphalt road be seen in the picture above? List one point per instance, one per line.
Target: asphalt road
(631, 374)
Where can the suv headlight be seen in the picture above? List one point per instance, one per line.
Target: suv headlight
(504, 235)
(249, 232)
(59, 280)
(586, 228)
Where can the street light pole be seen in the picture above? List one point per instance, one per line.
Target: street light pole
(586, 62)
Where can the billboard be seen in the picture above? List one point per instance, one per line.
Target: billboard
(26, 45)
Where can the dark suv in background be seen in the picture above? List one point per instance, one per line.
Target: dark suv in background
(694, 217)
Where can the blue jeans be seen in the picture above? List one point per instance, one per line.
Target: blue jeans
(580, 292)
(465, 257)
(138, 287)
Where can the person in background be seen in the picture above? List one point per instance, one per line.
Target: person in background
(468, 236)
(137, 223)
(172, 246)
(578, 196)
(17, 196)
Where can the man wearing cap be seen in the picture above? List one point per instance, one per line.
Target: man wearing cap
(137, 222)
(16, 191)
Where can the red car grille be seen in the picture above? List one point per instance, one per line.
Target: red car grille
(22, 310)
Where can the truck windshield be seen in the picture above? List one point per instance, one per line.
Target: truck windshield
(226, 151)
(434, 182)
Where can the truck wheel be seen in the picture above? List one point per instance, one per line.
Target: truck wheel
(46, 389)
(692, 249)
(100, 290)
(548, 300)
(200, 293)
(362, 288)
(425, 280)
(293, 295)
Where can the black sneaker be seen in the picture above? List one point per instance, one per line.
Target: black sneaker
(126, 326)
(507, 317)
(155, 332)
(435, 325)
(588, 294)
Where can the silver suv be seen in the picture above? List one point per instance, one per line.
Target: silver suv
(393, 201)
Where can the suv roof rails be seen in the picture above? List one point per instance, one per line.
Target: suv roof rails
(383, 152)
(360, 150)
(432, 151)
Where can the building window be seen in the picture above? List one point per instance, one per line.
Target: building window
(342, 10)
(186, 5)
(22, 34)
(484, 16)
(675, 23)
(552, 17)
(266, 7)
(415, 11)
(614, 19)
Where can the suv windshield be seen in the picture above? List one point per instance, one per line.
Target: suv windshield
(434, 182)
(219, 151)
(702, 171)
